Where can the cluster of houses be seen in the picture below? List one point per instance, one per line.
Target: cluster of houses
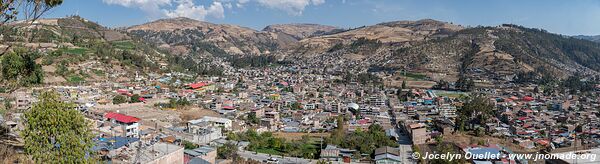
(298, 100)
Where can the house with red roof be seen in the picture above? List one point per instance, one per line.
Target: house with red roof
(197, 85)
(123, 125)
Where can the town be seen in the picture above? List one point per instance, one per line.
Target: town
(156, 82)
(280, 114)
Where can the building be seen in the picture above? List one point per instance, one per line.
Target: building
(447, 111)
(387, 155)
(201, 154)
(418, 133)
(204, 134)
(338, 155)
(161, 153)
(127, 126)
(211, 121)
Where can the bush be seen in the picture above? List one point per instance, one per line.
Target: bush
(119, 99)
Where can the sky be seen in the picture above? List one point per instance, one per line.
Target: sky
(568, 17)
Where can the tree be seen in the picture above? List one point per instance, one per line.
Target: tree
(30, 9)
(404, 84)
(135, 98)
(119, 99)
(189, 145)
(227, 151)
(251, 118)
(20, 67)
(477, 109)
(56, 133)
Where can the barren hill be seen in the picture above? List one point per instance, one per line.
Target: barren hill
(184, 35)
(300, 31)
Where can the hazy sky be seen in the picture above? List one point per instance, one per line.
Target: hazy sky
(569, 17)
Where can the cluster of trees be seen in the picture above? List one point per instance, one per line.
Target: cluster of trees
(364, 141)
(465, 84)
(361, 44)
(188, 64)
(443, 147)
(477, 110)
(19, 68)
(363, 78)
(227, 151)
(252, 61)
(267, 143)
(120, 99)
(575, 83)
(251, 118)
(365, 44)
(56, 132)
(174, 103)
(540, 43)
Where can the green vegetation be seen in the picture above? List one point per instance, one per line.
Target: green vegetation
(189, 145)
(364, 44)
(174, 103)
(576, 83)
(251, 118)
(124, 45)
(55, 132)
(363, 78)
(477, 109)
(75, 51)
(415, 76)
(254, 61)
(540, 43)
(190, 65)
(227, 151)
(135, 98)
(119, 99)
(19, 68)
(364, 141)
(75, 79)
(98, 72)
(266, 143)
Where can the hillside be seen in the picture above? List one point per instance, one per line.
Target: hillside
(443, 51)
(300, 31)
(73, 50)
(437, 50)
(595, 38)
(185, 36)
(399, 33)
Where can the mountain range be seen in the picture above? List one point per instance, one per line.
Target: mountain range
(595, 38)
(440, 50)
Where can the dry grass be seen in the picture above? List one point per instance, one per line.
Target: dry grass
(464, 139)
(9, 155)
(298, 136)
(192, 113)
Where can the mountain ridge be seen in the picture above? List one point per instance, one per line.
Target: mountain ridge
(442, 50)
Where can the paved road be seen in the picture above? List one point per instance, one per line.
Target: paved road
(261, 157)
(404, 142)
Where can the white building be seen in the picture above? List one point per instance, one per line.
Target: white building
(128, 126)
(211, 121)
(447, 111)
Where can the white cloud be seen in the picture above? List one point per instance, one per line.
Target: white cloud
(187, 8)
(228, 5)
(241, 3)
(163, 8)
(151, 7)
(293, 7)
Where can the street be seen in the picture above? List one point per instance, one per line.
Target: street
(404, 142)
(261, 157)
